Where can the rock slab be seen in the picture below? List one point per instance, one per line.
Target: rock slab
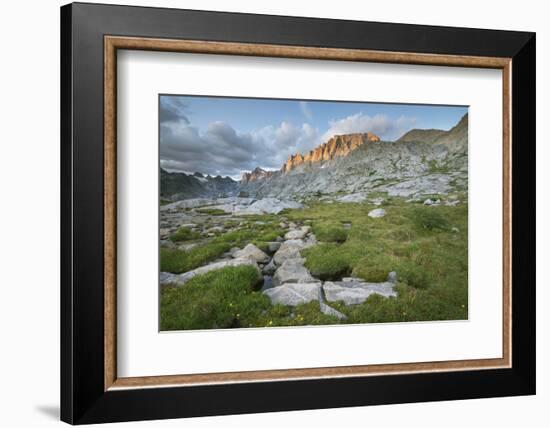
(293, 294)
(293, 271)
(179, 280)
(356, 292)
(296, 234)
(251, 252)
(377, 213)
(288, 250)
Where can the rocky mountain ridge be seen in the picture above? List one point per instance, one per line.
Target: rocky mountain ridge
(420, 162)
(337, 146)
(423, 135)
(176, 186)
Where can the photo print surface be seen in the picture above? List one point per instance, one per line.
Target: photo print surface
(283, 212)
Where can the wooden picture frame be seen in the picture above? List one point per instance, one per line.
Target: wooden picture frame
(91, 390)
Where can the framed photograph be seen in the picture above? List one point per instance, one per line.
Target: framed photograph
(266, 213)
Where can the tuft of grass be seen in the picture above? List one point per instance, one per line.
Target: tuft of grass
(429, 218)
(330, 231)
(230, 223)
(179, 261)
(326, 261)
(222, 298)
(184, 234)
(252, 232)
(211, 211)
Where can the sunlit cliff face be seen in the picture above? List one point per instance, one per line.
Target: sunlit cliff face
(337, 146)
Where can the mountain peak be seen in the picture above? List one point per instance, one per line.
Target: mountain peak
(256, 174)
(424, 135)
(453, 137)
(337, 146)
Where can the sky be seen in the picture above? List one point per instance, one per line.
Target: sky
(228, 136)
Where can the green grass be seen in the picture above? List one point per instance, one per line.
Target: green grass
(440, 303)
(219, 299)
(230, 223)
(228, 298)
(258, 234)
(414, 240)
(327, 261)
(179, 261)
(211, 211)
(330, 231)
(184, 234)
(430, 219)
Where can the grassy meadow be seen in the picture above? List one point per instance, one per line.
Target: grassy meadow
(425, 245)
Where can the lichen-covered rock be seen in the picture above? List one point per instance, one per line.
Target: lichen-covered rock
(288, 250)
(352, 197)
(356, 292)
(267, 206)
(251, 252)
(293, 294)
(295, 234)
(168, 278)
(292, 270)
(377, 213)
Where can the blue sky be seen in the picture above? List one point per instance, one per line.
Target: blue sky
(228, 136)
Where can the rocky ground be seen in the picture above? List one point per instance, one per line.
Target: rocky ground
(330, 257)
(286, 280)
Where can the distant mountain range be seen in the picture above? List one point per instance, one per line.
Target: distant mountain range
(175, 186)
(422, 161)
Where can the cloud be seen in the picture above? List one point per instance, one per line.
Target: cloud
(382, 125)
(306, 111)
(221, 150)
(173, 109)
